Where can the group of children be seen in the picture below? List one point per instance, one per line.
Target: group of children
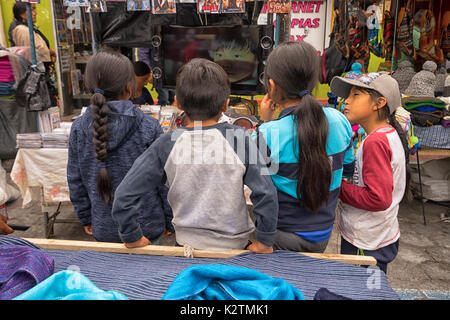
(131, 183)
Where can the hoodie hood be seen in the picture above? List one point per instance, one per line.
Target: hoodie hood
(123, 120)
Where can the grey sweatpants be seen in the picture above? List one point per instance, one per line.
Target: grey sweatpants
(292, 242)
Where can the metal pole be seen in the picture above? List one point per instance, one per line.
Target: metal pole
(31, 30)
(277, 29)
(420, 186)
(395, 36)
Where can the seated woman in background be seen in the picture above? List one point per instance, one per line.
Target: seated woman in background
(143, 77)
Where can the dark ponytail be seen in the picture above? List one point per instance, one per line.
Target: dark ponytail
(108, 74)
(385, 114)
(294, 67)
(314, 176)
(401, 133)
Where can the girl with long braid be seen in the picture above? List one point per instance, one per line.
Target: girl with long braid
(104, 143)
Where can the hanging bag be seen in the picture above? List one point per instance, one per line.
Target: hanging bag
(33, 91)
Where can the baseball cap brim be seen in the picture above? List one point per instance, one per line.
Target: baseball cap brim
(341, 86)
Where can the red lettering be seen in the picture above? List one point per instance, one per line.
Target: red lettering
(300, 38)
(302, 5)
(310, 8)
(316, 23)
(294, 22)
(319, 3)
(307, 23)
(293, 6)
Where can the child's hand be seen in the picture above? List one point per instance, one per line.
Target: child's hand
(258, 247)
(142, 242)
(167, 233)
(4, 228)
(88, 229)
(267, 110)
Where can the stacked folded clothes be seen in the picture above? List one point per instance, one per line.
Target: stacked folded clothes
(7, 79)
(425, 111)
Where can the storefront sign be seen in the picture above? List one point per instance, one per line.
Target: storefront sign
(308, 20)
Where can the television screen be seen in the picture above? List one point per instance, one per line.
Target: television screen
(235, 48)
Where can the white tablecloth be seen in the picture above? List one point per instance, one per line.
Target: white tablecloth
(46, 168)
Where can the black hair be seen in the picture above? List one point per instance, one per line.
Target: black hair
(19, 8)
(294, 67)
(110, 73)
(385, 114)
(141, 68)
(202, 88)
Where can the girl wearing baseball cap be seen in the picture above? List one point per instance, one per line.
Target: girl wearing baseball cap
(370, 200)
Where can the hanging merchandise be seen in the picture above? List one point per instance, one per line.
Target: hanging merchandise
(388, 34)
(138, 5)
(76, 3)
(279, 6)
(373, 14)
(404, 42)
(163, 6)
(445, 34)
(356, 38)
(209, 6)
(426, 46)
(339, 29)
(233, 6)
(97, 6)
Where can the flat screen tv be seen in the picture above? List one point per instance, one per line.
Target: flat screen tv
(236, 48)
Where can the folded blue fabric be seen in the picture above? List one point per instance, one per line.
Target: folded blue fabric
(21, 268)
(426, 108)
(224, 282)
(69, 285)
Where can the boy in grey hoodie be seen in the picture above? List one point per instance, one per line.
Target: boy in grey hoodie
(205, 166)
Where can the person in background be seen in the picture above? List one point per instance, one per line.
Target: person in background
(103, 145)
(309, 147)
(20, 36)
(165, 96)
(143, 76)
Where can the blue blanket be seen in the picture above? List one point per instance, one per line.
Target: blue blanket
(149, 277)
(68, 285)
(222, 282)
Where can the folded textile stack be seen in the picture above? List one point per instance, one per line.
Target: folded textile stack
(55, 140)
(425, 112)
(28, 140)
(7, 79)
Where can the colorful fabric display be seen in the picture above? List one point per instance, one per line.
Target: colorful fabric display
(414, 103)
(223, 282)
(6, 71)
(69, 285)
(21, 268)
(7, 88)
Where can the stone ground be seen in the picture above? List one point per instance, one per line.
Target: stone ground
(420, 271)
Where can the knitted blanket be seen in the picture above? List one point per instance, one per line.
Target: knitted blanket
(148, 277)
(413, 103)
(21, 268)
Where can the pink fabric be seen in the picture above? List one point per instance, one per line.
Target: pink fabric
(6, 71)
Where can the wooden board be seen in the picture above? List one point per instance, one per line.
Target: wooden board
(72, 245)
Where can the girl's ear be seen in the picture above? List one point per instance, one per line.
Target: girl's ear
(381, 103)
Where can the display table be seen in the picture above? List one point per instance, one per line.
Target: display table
(45, 168)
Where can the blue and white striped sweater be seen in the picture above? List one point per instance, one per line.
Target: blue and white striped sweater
(278, 136)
